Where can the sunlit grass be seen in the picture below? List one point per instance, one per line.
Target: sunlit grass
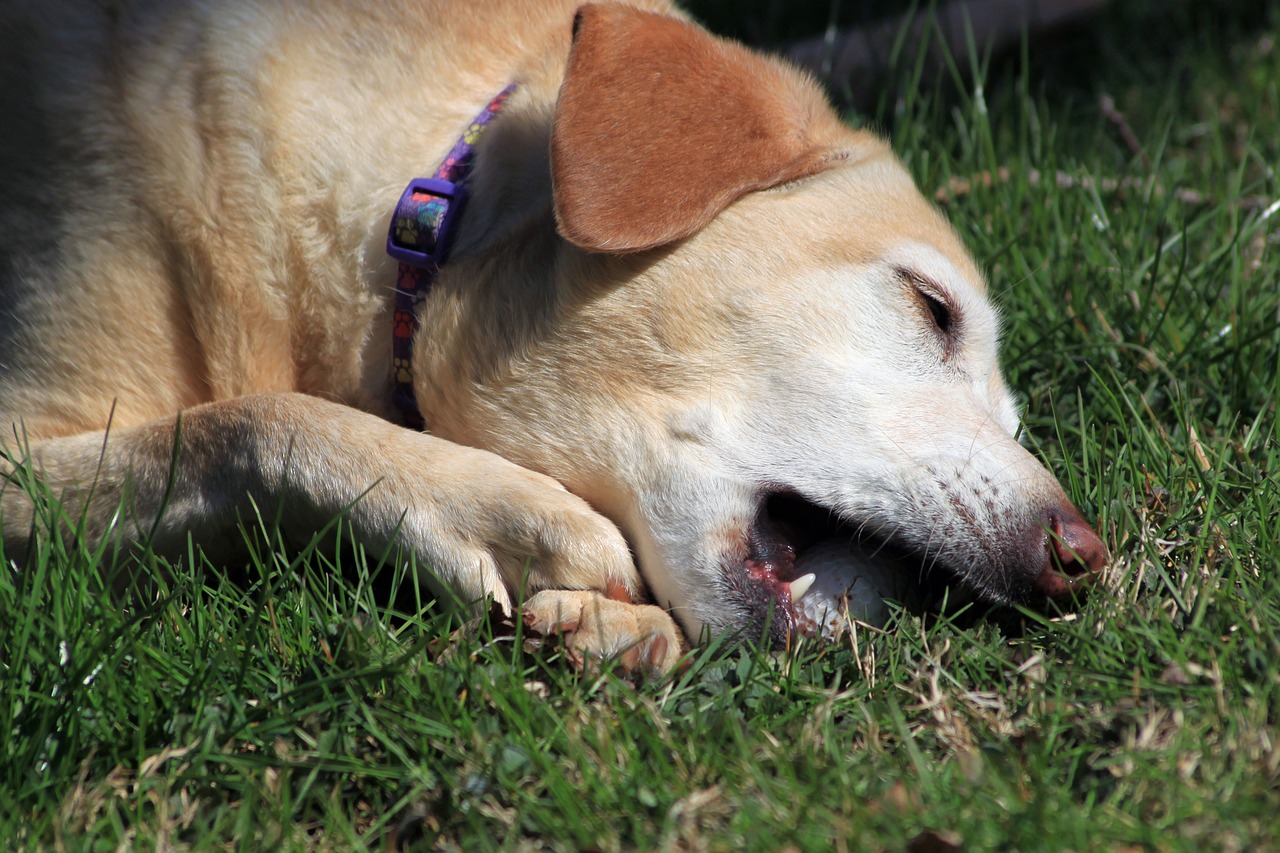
(320, 701)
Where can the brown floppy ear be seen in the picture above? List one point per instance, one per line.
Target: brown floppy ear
(661, 125)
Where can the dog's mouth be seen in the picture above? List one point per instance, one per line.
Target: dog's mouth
(783, 582)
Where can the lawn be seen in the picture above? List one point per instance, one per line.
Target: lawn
(1118, 184)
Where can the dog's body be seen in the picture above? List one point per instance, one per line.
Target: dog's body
(680, 286)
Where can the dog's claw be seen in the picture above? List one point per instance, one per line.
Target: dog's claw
(596, 628)
(657, 652)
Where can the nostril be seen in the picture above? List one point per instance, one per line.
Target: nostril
(1075, 550)
(1073, 555)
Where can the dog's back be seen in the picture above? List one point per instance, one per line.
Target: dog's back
(191, 188)
(95, 274)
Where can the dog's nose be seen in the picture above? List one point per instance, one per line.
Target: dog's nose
(1074, 555)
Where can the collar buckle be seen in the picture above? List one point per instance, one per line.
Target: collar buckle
(424, 221)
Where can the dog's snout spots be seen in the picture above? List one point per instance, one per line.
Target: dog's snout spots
(962, 511)
(1074, 555)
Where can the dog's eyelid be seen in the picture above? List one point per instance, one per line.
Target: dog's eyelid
(926, 285)
(934, 297)
(941, 311)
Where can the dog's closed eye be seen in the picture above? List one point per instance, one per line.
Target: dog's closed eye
(940, 311)
(935, 305)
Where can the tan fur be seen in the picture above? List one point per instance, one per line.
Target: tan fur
(196, 199)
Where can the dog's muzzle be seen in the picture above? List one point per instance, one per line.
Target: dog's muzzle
(1052, 563)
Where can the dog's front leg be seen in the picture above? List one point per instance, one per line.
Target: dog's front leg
(482, 525)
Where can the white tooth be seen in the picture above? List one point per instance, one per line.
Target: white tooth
(801, 585)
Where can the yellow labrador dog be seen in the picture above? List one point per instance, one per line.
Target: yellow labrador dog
(683, 308)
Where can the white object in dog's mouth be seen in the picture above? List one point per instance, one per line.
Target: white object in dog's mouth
(806, 572)
(839, 582)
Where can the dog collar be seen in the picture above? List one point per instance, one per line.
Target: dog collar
(421, 232)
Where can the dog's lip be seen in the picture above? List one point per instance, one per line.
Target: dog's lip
(770, 577)
(765, 577)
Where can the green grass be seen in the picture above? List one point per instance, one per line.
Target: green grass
(303, 706)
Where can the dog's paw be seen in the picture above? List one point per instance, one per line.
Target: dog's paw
(595, 628)
(487, 528)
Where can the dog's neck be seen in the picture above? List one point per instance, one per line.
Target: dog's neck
(420, 239)
(498, 287)
(511, 182)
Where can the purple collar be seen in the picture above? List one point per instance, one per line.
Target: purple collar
(422, 230)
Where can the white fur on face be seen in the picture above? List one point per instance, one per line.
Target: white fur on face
(857, 406)
(840, 387)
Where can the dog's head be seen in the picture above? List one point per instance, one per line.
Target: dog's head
(753, 320)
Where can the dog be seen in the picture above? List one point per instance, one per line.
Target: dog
(683, 308)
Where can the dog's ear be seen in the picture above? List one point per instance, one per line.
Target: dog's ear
(661, 125)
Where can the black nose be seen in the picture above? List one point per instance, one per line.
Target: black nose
(1073, 557)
